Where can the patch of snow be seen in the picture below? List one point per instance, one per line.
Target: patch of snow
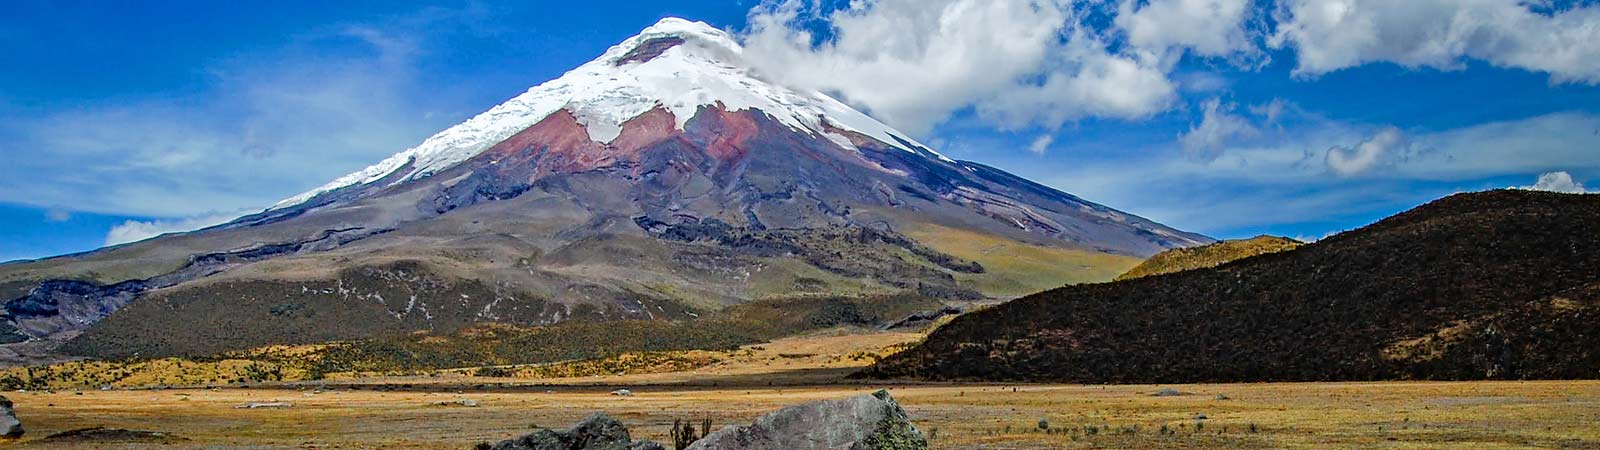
(706, 69)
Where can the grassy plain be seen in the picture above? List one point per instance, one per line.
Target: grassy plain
(733, 387)
(1016, 268)
(1482, 415)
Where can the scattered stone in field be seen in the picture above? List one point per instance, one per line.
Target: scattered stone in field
(598, 432)
(622, 393)
(10, 427)
(865, 422)
(1167, 392)
(1222, 397)
(254, 405)
(467, 402)
(108, 435)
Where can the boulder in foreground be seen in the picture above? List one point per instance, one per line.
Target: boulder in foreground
(597, 432)
(10, 427)
(865, 422)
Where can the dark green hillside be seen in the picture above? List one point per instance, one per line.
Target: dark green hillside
(1491, 285)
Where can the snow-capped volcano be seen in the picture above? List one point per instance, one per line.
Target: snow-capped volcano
(663, 180)
(675, 64)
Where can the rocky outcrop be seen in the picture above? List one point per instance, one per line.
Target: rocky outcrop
(922, 319)
(866, 422)
(10, 427)
(597, 432)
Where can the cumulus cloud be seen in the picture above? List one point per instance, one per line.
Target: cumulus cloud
(1558, 182)
(1096, 83)
(1329, 35)
(887, 56)
(1215, 28)
(1043, 63)
(912, 63)
(138, 230)
(1041, 144)
(1366, 155)
(1217, 127)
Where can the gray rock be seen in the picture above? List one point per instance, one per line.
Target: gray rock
(10, 427)
(1167, 392)
(922, 319)
(866, 422)
(597, 432)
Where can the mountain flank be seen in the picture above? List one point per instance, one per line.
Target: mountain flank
(1490, 285)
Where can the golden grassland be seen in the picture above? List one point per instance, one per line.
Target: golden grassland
(817, 352)
(1017, 268)
(421, 412)
(1216, 254)
(814, 358)
(1484, 415)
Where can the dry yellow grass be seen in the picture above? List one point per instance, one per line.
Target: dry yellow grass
(1016, 268)
(406, 412)
(1485, 415)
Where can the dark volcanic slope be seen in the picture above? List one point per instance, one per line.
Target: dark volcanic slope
(1496, 285)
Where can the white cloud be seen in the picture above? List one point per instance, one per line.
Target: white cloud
(1097, 83)
(1329, 35)
(1198, 82)
(890, 55)
(912, 63)
(1552, 142)
(136, 230)
(1041, 144)
(264, 127)
(57, 215)
(1287, 178)
(1558, 182)
(1271, 111)
(1217, 128)
(1366, 155)
(1206, 27)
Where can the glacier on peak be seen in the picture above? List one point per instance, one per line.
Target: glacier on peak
(701, 66)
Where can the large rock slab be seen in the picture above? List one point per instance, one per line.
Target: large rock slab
(10, 427)
(865, 422)
(597, 432)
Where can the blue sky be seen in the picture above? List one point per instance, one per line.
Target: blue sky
(121, 119)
